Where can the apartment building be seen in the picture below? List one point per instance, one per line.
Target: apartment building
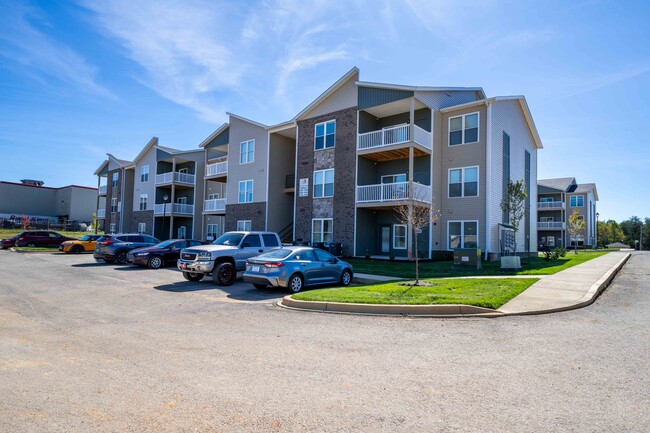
(556, 201)
(341, 167)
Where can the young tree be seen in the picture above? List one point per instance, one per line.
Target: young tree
(514, 204)
(24, 221)
(576, 227)
(604, 233)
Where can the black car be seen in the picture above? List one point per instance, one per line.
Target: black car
(164, 253)
(114, 248)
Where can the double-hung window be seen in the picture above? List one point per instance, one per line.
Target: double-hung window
(113, 204)
(116, 178)
(463, 182)
(462, 234)
(577, 200)
(212, 231)
(143, 201)
(245, 191)
(112, 228)
(142, 228)
(399, 236)
(325, 133)
(144, 173)
(324, 183)
(247, 152)
(321, 230)
(244, 225)
(463, 129)
(214, 196)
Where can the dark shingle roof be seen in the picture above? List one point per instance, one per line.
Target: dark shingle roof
(561, 183)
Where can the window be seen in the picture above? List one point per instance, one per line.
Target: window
(306, 255)
(113, 205)
(321, 230)
(577, 201)
(116, 178)
(270, 241)
(183, 170)
(462, 234)
(213, 196)
(546, 200)
(324, 135)
(324, 183)
(463, 129)
(506, 173)
(212, 231)
(142, 228)
(182, 232)
(547, 219)
(323, 256)
(144, 173)
(247, 152)
(253, 241)
(143, 201)
(181, 200)
(399, 236)
(244, 225)
(245, 191)
(112, 230)
(393, 178)
(463, 182)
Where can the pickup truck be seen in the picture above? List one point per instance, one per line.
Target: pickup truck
(225, 256)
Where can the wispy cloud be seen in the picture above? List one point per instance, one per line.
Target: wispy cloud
(41, 56)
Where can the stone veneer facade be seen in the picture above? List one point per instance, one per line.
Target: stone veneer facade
(256, 212)
(143, 216)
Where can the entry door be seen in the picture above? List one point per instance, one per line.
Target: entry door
(182, 230)
(385, 239)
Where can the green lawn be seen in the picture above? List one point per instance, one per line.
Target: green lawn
(7, 233)
(28, 249)
(481, 292)
(532, 266)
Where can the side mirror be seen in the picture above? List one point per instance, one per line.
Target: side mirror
(333, 260)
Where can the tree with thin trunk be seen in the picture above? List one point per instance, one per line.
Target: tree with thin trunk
(417, 214)
(514, 204)
(576, 227)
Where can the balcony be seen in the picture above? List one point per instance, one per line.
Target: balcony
(175, 177)
(102, 190)
(392, 136)
(551, 205)
(101, 213)
(173, 209)
(215, 205)
(390, 193)
(551, 225)
(217, 169)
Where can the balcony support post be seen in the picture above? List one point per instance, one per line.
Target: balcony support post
(412, 119)
(410, 192)
(172, 199)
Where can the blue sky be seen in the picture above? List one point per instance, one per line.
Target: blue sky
(82, 78)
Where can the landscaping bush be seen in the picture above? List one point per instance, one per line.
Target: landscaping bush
(560, 251)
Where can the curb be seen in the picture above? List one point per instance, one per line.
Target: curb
(590, 297)
(36, 252)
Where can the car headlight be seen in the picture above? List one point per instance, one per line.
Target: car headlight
(204, 255)
(141, 254)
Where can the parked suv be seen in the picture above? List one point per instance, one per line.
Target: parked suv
(41, 239)
(114, 248)
(225, 256)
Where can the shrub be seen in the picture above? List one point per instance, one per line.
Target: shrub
(560, 251)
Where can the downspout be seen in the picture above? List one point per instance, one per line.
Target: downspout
(121, 230)
(488, 178)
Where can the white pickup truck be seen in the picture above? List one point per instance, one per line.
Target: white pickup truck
(225, 256)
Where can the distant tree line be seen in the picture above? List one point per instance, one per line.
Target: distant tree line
(627, 232)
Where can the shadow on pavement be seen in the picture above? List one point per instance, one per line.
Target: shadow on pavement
(91, 265)
(240, 291)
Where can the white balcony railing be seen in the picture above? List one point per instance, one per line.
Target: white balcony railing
(550, 205)
(394, 135)
(215, 205)
(393, 192)
(102, 190)
(550, 225)
(218, 168)
(173, 208)
(176, 177)
(101, 213)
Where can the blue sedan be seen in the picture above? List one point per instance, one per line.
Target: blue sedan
(296, 267)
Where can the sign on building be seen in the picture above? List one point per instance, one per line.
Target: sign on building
(303, 190)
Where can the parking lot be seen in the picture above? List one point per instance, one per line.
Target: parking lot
(96, 347)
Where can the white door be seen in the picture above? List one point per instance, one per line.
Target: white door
(385, 239)
(551, 241)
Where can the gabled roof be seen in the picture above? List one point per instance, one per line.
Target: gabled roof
(172, 151)
(421, 88)
(214, 135)
(101, 167)
(354, 72)
(587, 188)
(153, 142)
(243, 119)
(561, 184)
(524, 108)
(123, 163)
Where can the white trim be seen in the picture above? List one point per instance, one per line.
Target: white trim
(295, 181)
(244, 222)
(142, 173)
(462, 181)
(323, 184)
(333, 88)
(322, 220)
(324, 123)
(405, 236)
(245, 120)
(248, 151)
(463, 116)
(246, 193)
(144, 196)
(462, 232)
(393, 176)
(431, 225)
(268, 165)
(142, 228)
(356, 177)
(488, 179)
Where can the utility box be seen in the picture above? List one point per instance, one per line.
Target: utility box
(467, 258)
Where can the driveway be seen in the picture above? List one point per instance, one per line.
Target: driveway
(87, 347)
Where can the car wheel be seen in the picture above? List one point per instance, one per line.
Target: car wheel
(295, 283)
(224, 274)
(77, 249)
(31, 245)
(260, 286)
(191, 276)
(120, 257)
(346, 277)
(155, 262)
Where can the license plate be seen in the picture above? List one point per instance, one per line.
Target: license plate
(255, 268)
(183, 266)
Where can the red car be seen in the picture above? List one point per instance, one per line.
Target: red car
(41, 239)
(10, 242)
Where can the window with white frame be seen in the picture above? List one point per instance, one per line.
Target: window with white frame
(393, 178)
(142, 228)
(463, 129)
(181, 200)
(116, 179)
(244, 225)
(113, 204)
(546, 200)
(112, 228)
(463, 182)
(546, 219)
(247, 152)
(399, 236)
(324, 135)
(214, 196)
(321, 230)
(144, 173)
(212, 231)
(246, 191)
(577, 200)
(143, 201)
(324, 183)
(462, 234)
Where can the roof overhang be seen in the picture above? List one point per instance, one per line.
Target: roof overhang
(243, 119)
(214, 135)
(354, 72)
(101, 168)
(420, 88)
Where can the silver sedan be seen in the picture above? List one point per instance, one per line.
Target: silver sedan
(295, 268)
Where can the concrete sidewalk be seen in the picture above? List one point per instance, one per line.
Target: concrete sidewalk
(572, 288)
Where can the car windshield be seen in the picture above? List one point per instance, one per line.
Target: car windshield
(276, 254)
(86, 238)
(165, 244)
(229, 239)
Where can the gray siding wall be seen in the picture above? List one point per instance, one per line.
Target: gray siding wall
(344, 97)
(219, 220)
(127, 204)
(241, 131)
(371, 96)
(282, 159)
(148, 187)
(82, 204)
(28, 200)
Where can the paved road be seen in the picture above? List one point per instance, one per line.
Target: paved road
(104, 348)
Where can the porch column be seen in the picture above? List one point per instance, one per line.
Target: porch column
(171, 211)
(411, 194)
(412, 120)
